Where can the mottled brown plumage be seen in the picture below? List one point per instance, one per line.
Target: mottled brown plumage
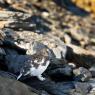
(36, 64)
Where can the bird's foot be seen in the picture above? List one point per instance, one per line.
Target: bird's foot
(41, 78)
(19, 77)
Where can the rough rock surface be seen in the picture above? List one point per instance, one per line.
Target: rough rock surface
(7, 75)
(54, 43)
(82, 74)
(27, 26)
(12, 87)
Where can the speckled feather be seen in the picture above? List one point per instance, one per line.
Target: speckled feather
(36, 64)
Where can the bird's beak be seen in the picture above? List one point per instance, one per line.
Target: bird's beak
(19, 76)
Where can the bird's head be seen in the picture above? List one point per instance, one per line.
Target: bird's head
(46, 52)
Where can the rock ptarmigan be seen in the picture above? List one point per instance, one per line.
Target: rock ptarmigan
(36, 64)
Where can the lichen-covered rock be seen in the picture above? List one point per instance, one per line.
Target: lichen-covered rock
(35, 40)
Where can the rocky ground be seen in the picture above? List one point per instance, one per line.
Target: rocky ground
(28, 26)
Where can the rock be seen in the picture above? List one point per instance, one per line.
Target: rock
(59, 72)
(11, 46)
(60, 88)
(12, 87)
(92, 83)
(2, 50)
(10, 34)
(7, 75)
(10, 16)
(44, 93)
(15, 62)
(52, 42)
(2, 36)
(82, 74)
(80, 56)
(92, 70)
(11, 52)
(66, 88)
(2, 53)
(82, 88)
(2, 1)
(56, 45)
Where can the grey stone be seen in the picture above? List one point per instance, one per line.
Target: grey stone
(60, 88)
(92, 70)
(54, 43)
(82, 74)
(10, 34)
(12, 87)
(7, 75)
(14, 62)
(63, 70)
(2, 53)
(92, 83)
(82, 88)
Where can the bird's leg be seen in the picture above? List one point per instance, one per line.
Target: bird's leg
(27, 73)
(19, 76)
(41, 78)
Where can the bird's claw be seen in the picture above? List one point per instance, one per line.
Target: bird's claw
(41, 78)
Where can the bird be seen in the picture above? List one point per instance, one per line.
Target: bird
(36, 64)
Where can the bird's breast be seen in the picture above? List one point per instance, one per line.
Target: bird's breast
(38, 71)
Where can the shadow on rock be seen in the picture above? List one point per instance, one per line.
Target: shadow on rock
(34, 23)
(69, 5)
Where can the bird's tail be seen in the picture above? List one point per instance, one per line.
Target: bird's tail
(19, 76)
